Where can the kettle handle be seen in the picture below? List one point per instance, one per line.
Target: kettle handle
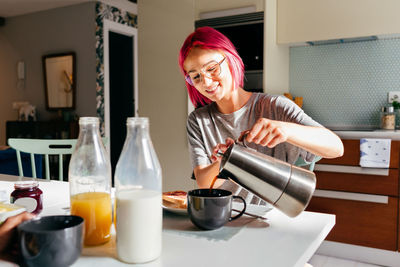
(241, 139)
(243, 210)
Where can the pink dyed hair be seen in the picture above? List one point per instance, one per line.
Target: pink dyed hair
(209, 38)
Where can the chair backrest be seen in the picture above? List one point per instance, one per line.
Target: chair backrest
(45, 147)
(302, 163)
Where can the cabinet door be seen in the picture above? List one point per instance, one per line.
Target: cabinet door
(398, 230)
(313, 20)
(361, 223)
(351, 156)
(360, 183)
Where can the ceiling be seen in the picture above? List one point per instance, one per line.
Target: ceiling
(10, 8)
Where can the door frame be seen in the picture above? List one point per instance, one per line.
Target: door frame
(112, 26)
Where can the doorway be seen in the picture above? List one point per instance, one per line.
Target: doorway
(120, 84)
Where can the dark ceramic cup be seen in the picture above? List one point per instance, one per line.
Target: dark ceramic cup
(51, 240)
(211, 209)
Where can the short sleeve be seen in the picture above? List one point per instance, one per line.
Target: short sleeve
(197, 148)
(291, 112)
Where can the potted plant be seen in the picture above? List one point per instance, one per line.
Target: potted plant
(396, 106)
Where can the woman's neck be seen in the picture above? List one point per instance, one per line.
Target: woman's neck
(236, 101)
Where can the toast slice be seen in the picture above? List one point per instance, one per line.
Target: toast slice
(175, 199)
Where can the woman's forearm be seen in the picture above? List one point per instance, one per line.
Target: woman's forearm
(205, 174)
(317, 140)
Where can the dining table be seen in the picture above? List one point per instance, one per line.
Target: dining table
(276, 241)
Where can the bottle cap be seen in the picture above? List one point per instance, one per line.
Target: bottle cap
(89, 120)
(388, 109)
(26, 184)
(137, 120)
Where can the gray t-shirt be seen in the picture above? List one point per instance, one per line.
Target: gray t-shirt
(207, 127)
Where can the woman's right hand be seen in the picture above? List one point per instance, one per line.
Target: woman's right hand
(221, 148)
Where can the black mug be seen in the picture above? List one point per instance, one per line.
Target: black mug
(211, 208)
(51, 240)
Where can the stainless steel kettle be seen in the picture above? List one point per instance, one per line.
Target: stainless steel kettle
(287, 187)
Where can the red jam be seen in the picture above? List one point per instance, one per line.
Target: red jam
(28, 195)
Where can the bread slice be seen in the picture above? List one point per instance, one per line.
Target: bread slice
(175, 199)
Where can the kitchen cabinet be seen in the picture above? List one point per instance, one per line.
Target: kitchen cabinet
(398, 228)
(315, 20)
(351, 154)
(365, 200)
(360, 222)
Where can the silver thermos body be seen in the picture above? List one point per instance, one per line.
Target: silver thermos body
(287, 187)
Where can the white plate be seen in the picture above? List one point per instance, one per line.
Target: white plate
(175, 210)
(12, 210)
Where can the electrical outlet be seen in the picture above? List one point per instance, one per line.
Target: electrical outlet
(394, 95)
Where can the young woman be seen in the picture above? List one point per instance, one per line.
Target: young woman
(273, 125)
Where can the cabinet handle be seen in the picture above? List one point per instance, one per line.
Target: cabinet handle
(351, 169)
(351, 196)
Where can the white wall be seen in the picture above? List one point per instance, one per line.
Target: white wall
(9, 56)
(162, 28)
(28, 38)
(276, 57)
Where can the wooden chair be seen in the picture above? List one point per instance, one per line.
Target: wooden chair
(301, 163)
(45, 147)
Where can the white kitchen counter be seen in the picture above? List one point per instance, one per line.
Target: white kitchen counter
(390, 134)
(279, 241)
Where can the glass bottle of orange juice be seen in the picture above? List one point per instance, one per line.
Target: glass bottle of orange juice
(90, 182)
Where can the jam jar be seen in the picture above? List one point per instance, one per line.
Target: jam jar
(28, 195)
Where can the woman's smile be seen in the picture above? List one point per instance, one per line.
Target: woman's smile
(212, 90)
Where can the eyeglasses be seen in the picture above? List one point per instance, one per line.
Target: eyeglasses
(212, 70)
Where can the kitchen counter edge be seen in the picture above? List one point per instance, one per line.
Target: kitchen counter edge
(389, 134)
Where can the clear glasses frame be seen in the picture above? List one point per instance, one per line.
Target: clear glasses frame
(211, 71)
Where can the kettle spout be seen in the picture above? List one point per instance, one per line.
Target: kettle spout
(224, 175)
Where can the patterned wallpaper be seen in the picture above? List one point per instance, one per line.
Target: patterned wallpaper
(104, 11)
(345, 84)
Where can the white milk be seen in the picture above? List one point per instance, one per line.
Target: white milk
(139, 225)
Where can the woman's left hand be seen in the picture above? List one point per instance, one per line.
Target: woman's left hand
(221, 148)
(266, 132)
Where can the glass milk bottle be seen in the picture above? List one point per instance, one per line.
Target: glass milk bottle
(90, 182)
(138, 196)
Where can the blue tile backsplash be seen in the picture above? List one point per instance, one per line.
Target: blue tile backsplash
(345, 84)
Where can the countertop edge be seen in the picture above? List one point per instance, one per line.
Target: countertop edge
(389, 134)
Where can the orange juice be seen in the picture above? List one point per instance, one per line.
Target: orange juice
(95, 208)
